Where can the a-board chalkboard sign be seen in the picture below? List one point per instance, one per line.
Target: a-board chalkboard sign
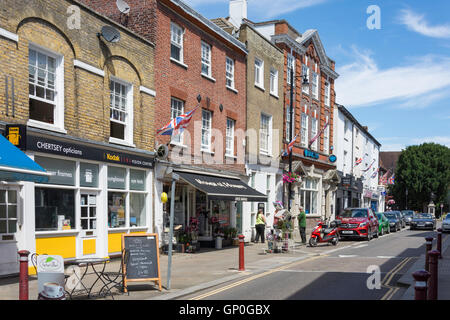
(143, 258)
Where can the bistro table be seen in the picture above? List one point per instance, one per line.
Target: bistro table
(86, 262)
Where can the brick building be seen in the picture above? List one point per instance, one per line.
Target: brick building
(85, 103)
(313, 105)
(195, 58)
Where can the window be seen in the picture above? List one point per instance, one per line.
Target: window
(176, 109)
(121, 106)
(326, 138)
(309, 192)
(206, 59)
(46, 86)
(265, 134)
(230, 72)
(259, 73)
(88, 206)
(274, 82)
(327, 93)
(304, 130)
(230, 138)
(314, 124)
(54, 205)
(290, 135)
(315, 85)
(176, 42)
(290, 68)
(305, 71)
(206, 130)
(8, 211)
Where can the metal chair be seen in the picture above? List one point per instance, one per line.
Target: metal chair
(114, 279)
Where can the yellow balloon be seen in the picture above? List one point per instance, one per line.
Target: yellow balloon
(164, 197)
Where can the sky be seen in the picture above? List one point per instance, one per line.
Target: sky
(394, 78)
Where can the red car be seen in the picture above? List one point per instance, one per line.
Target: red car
(358, 222)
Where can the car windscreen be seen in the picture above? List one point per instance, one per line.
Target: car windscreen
(423, 216)
(354, 213)
(379, 216)
(390, 215)
(408, 213)
(447, 217)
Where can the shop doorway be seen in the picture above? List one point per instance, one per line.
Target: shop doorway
(9, 213)
(88, 223)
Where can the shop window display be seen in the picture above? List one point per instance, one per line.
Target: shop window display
(55, 209)
(220, 215)
(116, 209)
(137, 210)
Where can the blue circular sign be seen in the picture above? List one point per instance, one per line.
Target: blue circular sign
(332, 158)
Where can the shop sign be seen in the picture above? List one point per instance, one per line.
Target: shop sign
(137, 180)
(116, 178)
(69, 149)
(17, 135)
(332, 158)
(311, 154)
(62, 171)
(219, 184)
(88, 175)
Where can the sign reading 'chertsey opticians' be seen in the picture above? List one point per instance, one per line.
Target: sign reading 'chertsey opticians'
(74, 150)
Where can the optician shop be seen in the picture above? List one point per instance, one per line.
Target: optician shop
(95, 193)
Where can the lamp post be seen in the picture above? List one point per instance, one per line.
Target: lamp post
(406, 198)
(291, 115)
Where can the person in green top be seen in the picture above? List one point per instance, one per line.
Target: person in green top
(302, 225)
(260, 226)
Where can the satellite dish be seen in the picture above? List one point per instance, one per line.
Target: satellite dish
(123, 6)
(110, 34)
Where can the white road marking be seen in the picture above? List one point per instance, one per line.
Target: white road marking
(361, 246)
(347, 255)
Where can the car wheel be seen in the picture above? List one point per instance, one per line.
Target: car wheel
(376, 233)
(388, 230)
(382, 231)
(369, 235)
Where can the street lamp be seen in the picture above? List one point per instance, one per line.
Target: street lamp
(406, 198)
(305, 82)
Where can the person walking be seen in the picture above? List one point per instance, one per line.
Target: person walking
(260, 226)
(302, 225)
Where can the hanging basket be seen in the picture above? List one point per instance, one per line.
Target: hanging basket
(291, 177)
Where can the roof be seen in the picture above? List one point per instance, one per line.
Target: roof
(390, 159)
(348, 114)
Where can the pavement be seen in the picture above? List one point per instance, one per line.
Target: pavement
(211, 267)
(443, 272)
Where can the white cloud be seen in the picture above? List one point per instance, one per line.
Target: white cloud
(437, 139)
(264, 9)
(419, 24)
(362, 83)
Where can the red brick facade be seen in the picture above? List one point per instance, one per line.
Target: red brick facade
(152, 19)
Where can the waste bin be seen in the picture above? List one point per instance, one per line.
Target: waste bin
(219, 243)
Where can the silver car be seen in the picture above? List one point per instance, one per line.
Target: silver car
(446, 223)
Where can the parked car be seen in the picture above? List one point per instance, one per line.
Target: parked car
(358, 222)
(383, 224)
(394, 221)
(401, 218)
(408, 215)
(423, 221)
(446, 223)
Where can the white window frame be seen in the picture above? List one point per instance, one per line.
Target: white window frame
(304, 130)
(288, 118)
(58, 111)
(326, 138)
(265, 134)
(259, 73)
(176, 139)
(311, 189)
(315, 85)
(229, 143)
(305, 70)
(229, 72)
(206, 53)
(129, 120)
(206, 130)
(314, 131)
(327, 93)
(290, 68)
(274, 82)
(176, 39)
(8, 204)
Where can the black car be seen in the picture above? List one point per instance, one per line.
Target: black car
(408, 215)
(423, 221)
(394, 221)
(401, 218)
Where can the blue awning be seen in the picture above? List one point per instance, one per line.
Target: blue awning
(17, 166)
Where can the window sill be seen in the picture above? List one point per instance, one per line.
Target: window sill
(179, 145)
(121, 142)
(42, 234)
(207, 151)
(260, 88)
(120, 229)
(45, 126)
(181, 64)
(274, 95)
(265, 154)
(232, 89)
(208, 77)
(230, 156)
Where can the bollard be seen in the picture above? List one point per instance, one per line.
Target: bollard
(241, 252)
(421, 278)
(433, 287)
(429, 246)
(439, 242)
(23, 277)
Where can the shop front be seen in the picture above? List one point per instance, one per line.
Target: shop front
(348, 194)
(95, 193)
(206, 206)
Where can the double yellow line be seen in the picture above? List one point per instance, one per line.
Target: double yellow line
(210, 293)
(388, 278)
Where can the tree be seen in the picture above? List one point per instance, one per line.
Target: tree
(422, 170)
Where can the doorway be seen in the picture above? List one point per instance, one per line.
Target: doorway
(88, 223)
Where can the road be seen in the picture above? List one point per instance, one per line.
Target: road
(353, 270)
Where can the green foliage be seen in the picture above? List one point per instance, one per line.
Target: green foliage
(422, 169)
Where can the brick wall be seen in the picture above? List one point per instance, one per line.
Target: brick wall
(44, 23)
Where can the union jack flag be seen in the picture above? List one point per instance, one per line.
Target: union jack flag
(358, 161)
(375, 173)
(177, 124)
(287, 151)
(392, 179)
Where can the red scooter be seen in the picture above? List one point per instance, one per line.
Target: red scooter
(322, 233)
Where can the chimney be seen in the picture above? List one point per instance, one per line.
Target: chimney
(238, 11)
